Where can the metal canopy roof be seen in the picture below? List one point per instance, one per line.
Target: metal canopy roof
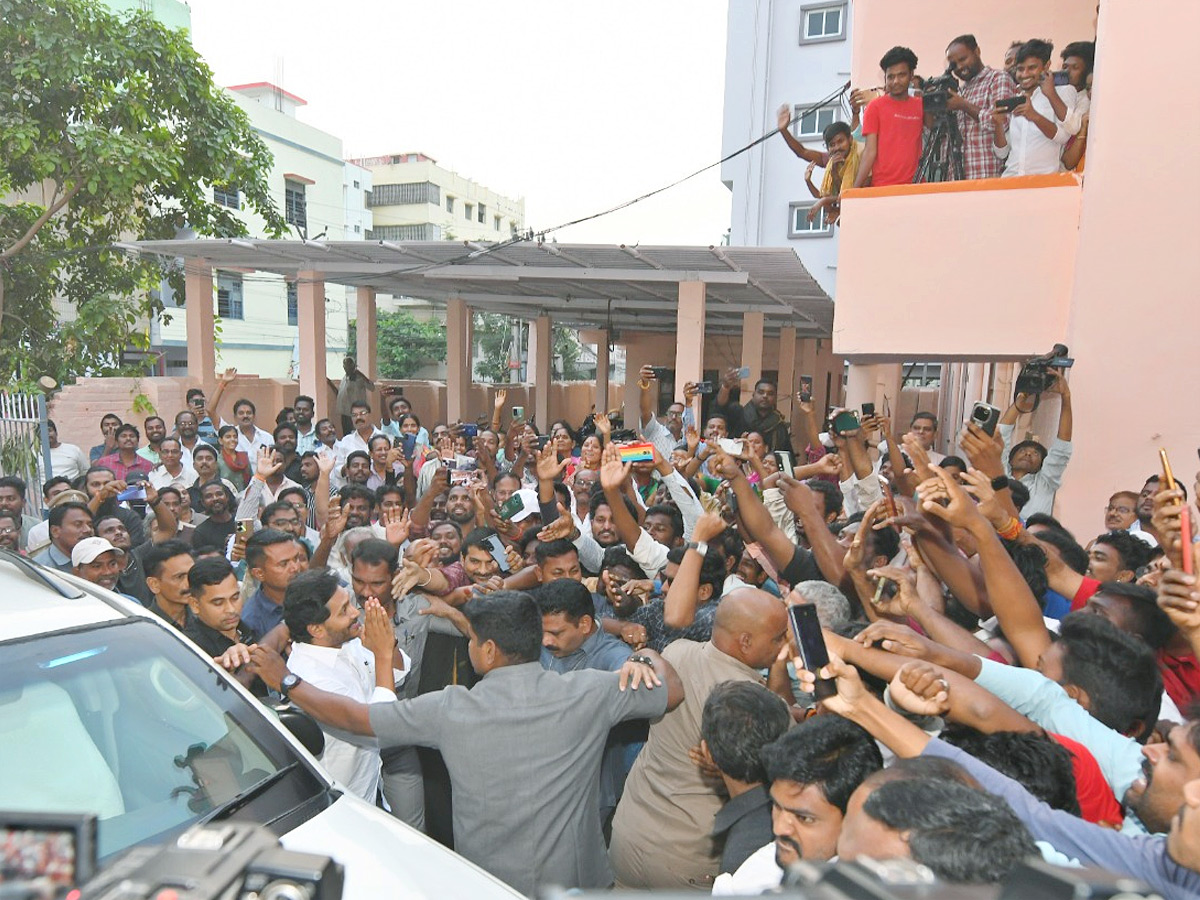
(581, 285)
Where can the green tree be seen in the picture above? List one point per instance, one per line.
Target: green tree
(404, 343)
(494, 334)
(111, 129)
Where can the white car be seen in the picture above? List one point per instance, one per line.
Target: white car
(106, 709)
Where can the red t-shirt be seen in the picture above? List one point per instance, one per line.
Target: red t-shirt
(1097, 803)
(1181, 678)
(1087, 587)
(898, 123)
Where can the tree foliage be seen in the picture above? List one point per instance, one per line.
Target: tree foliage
(494, 334)
(405, 344)
(111, 129)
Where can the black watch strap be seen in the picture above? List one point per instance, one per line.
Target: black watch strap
(290, 680)
(641, 658)
(1000, 483)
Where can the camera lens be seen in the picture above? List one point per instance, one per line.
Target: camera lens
(286, 890)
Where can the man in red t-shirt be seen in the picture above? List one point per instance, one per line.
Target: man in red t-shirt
(892, 125)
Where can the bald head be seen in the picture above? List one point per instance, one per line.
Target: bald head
(751, 626)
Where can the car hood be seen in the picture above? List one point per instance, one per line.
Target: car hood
(384, 857)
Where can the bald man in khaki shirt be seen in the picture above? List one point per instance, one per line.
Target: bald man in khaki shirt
(662, 831)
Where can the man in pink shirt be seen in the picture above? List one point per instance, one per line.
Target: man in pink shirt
(892, 125)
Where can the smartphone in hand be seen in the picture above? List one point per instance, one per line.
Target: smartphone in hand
(806, 628)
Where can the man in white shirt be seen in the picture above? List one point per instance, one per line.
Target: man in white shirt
(327, 652)
(171, 469)
(250, 436)
(1031, 138)
(67, 460)
(364, 430)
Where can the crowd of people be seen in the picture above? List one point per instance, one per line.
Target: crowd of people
(565, 651)
(1022, 119)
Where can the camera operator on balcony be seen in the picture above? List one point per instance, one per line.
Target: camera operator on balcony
(972, 105)
(1038, 468)
(1032, 142)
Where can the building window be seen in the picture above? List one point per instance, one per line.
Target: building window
(450, 205)
(229, 296)
(412, 193)
(469, 209)
(799, 226)
(826, 22)
(356, 184)
(293, 303)
(812, 125)
(295, 210)
(227, 195)
(423, 232)
(482, 213)
(496, 222)
(358, 229)
(922, 375)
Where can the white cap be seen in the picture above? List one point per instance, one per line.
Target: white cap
(89, 548)
(529, 505)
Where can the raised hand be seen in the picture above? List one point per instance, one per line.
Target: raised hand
(396, 525)
(1179, 598)
(960, 510)
(408, 576)
(856, 556)
(603, 426)
(228, 375)
(783, 118)
(920, 688)
(1167, 522)
(850, 691)
(905, 599)
(549, 467)
(979, 486)
(335, 521)
(326, 462)
(918, 455)
(692, 436)
(266, 465)
(797, 495)
(613, 472)
(709, 526)
(423, 552)
(983, 450)
(501, 397)
(561, 528)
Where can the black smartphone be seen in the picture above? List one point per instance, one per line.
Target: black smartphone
(1008, 104)
(408, 442)
(986, 417)
(660, 372)
(806, 628)
(704, 387)
(542, 441)
(868, 409)
(470, 430)
(784, 458)
(496, 548)
(806, 387)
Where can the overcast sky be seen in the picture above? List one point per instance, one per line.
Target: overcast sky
(577, 107)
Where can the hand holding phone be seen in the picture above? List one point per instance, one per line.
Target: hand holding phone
(806, 628)
(1185, 515)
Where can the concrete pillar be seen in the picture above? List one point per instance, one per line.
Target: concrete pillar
(689, 341)
(638, 352)
(871, 383)
(367, 339)
(458, 360)
(787, 370)
(198, 303)
(600, 339)
(310, 319)
(541, 354)
(752, 351)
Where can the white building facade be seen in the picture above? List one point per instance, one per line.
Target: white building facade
(782, 51)
(322, 197)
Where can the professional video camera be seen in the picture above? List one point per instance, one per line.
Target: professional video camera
(1036, 376)
(50, 856)
(935, 92)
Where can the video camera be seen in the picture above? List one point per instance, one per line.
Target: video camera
(935, 92)
(1036, 376)
(46, 856)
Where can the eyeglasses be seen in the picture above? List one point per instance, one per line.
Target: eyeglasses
(6, 530)
(1123, 510)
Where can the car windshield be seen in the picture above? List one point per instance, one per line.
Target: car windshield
(125, 722)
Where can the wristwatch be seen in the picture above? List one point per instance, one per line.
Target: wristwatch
(700, 547)
(290, 680)
(1000, 483)
(644, 660)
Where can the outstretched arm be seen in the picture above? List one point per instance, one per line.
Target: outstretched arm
(329, 709)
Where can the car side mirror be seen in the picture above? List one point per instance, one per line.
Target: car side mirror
(303, 727)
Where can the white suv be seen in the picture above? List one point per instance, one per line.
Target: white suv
(105, 709)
